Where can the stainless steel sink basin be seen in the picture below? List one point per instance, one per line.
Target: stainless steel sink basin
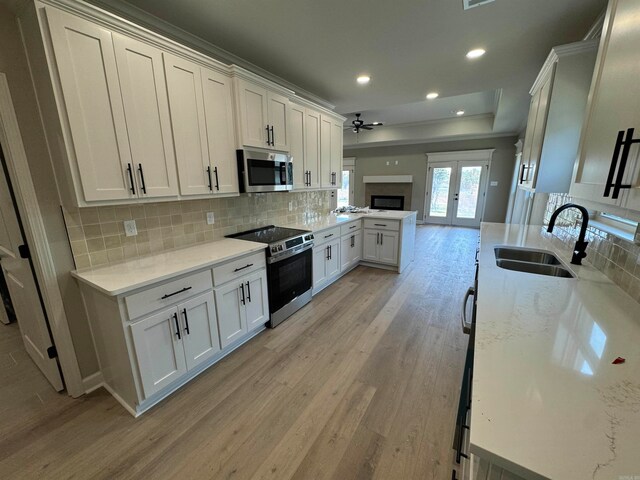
(535, 268)
(525, 255)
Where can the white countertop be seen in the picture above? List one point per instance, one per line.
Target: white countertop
(140, 272)
(547, 401)
(334, 219)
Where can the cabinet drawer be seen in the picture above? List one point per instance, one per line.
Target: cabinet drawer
(350, 227)
(325, 236)
(382, 224)
(167, 294)
(238, 267)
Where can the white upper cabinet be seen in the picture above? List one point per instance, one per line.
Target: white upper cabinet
(146, 108)
(263, 117)
(297, 134)
(614, 107)
(312, 147)
(99, 143)
(331, 141)
(203, 127)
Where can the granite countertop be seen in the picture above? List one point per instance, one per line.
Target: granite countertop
(139, 272)
(547, 401)
(334, 219)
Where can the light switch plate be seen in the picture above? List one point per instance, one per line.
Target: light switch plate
(210, 218)
(494, 183)
(290, 206)
(130, 228)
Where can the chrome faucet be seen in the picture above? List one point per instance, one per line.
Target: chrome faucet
(579, 251)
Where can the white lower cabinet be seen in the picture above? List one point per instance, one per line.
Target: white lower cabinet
(242, 306)
(380, 246)
(326, 263)
(200, 329)
(350, 250)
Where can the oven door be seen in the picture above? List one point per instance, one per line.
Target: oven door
(289, 278)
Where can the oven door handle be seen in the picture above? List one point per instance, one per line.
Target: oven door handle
(289, 254)
(466, 326)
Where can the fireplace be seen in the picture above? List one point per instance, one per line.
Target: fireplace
(387, 202)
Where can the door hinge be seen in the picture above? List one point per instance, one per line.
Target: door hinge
(23, 250)
(52, 352)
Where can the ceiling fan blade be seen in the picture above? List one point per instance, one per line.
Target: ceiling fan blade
(366, 127)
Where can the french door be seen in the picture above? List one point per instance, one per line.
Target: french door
(456, 192)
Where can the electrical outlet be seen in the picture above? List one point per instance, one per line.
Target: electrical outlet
(290, 206)
(494, 183)
(130, 228)
(210, 218)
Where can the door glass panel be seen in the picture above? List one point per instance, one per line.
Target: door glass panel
(469, 189)
(343, 191)
(440, 191)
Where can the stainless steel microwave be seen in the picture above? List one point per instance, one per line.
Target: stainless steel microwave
(260, 171)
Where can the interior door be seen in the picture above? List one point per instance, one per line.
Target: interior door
(146, 107)
(19, 276)
(159, 350)
(218, 108)
(200, 329)
(257, 303)
(232, 321)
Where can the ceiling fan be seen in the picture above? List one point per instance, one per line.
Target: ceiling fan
(360, 125)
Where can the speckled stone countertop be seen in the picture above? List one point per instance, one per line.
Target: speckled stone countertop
(547, 401)
(334, 219)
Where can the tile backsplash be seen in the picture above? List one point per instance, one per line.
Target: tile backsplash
(97, 234)
(617, 258)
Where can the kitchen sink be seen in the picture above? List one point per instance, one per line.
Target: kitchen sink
(535, 268)
(525, 255)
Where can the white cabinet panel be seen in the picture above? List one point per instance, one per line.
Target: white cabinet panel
(146, 106)
(253, 114)
(200, 329)
(88, 75)
(333, 262)
(184, 84)
(297, 135)
(320, 255)
(350, 250)
(257, 300)
(370, 245)
(231, 318)
(278, 113)
(312, 147)
(326, 178)
(218, 108)
(159, 350)
(388, 248)
(336, 151)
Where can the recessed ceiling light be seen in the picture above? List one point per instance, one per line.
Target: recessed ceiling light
(363, 79)
(432, 95)
(459, 112)
(476, 53)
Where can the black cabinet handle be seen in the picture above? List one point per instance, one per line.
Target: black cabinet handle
(381, 238)
(249, 292)
(144, 187)
(209, 175)
(328, 236)
(330, 252)
(626, 147)
(186, 321)
(243, 299)
(353, 241)
(353, 226)
(377, 239)
(268, 136)
(175, 293)
(215, 171)
(273, 137)
(309, 177)
(614, 162)
(524, 168)
(130, 172)
(242, 268)
(175, 319)
(380, 224)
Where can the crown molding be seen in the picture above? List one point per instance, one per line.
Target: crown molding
(595, 32)
(454, 138)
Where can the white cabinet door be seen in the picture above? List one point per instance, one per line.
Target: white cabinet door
(146, 107)
(356, 250)
(336, 152)
(297, 135)
(333, 261)
(543, 97)
(231, 316)
(326, 178)
(199, 329)
(184, 84)
(218, 109)
(256, 300)
(252, 109)
(278, 114)
(86, 65)
(346, 252)
(614, 105)
(320, 255)
(312, 147)
(370, 245)
(159, 350)
(388, 247)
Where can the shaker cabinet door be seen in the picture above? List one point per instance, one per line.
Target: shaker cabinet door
(312, 147)
(278, 113)
(297, 135)
(257, 300)
(252, 110)
(200, 329)
(232, 323)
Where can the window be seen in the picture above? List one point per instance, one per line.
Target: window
(345, 189)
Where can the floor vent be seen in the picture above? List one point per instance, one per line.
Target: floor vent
(475, 3)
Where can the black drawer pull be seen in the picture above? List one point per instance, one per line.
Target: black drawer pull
(353, 226)
(144, 186)
(242, 268)
(130, 172)
(380, 224)
(249, 291)
(175, 293)
(186, 321)
(209, 175)
(330, 235)
(175, 319)
(243, 299)
(215, 171)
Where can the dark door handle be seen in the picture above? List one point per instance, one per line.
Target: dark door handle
(242, 268)
(273, 137)
(524, 168)
(243, 299)
(144, 187)
(209, 175)
(175, 319)
(186, 321)
(249, 292)
(268, 136)
(215, 171)
(175, 293)
(130, 172)
(380, 224)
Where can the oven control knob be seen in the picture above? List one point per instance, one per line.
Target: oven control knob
(274, 249)
(280, 248)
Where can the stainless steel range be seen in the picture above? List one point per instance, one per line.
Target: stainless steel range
(289, 263)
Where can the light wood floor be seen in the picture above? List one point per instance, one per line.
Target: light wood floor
(362, 383)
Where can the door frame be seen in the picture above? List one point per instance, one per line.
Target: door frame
(458, 156)
(36, 237)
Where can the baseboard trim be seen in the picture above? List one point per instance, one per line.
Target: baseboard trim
(92, 382)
